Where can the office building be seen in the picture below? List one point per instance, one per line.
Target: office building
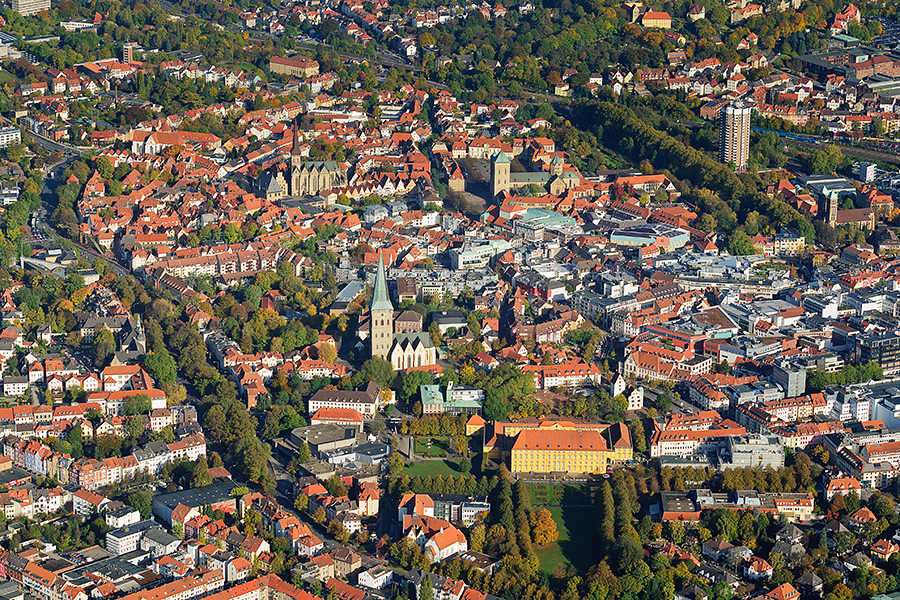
(734, 135)
(882, 348)
(790, 378)
(30, 7)
(9, 193)
(865, 171)
(459, 508)
(752, 451)
(127, 539)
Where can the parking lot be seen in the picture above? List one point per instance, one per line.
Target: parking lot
(890, 33)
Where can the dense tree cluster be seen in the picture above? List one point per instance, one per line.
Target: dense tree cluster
(735, 198)
(506, 388)
(600, 405)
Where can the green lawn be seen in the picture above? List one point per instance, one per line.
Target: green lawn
(558, 493)
(438, 447)
(577, 544)
(434, 467)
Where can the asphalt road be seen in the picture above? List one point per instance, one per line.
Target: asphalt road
(55, 146)
(51, 182)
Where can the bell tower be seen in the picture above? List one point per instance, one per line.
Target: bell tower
(556, 166)
(296, 163)
(381, 316)
(499, 174)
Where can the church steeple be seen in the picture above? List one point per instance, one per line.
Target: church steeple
(380, 299)
(381, 315)
(295, 144)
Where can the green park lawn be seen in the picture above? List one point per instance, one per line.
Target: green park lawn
(576, 545)
(438, 447)
(433, 468)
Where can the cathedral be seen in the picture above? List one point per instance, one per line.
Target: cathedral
(299, 177)
(554, 181)
(402, 350)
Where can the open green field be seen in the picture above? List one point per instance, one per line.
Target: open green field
(577, 544)
(433, 468)
(437, 449)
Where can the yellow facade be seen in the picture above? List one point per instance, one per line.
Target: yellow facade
(547, 461)
(474, 425)
(568, 461)
(501, 442)
(569, 451)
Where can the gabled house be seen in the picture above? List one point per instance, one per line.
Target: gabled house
(784, 592)
(715, 548)
(882, 550)
(757, 568)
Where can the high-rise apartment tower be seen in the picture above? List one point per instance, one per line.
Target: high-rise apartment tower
(734, 135)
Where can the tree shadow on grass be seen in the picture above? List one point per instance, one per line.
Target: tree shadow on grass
(582, 547)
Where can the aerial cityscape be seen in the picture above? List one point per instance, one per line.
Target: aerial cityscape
(519, 299)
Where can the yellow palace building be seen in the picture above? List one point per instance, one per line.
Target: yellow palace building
(548, 446)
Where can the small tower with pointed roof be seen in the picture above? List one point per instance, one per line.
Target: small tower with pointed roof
(556, 166)
(381, 315)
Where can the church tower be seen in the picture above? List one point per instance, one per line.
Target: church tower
(499, 174)
(296, 161)
(381, 316)
(556, 166)
(831, 208)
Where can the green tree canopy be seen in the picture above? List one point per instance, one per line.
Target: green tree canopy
(137, 404)
(739, 244)
(161, 366)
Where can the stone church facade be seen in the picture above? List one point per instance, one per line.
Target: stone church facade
(403, 350)
(300, 177)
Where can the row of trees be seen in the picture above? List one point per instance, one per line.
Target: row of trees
(434, 425)
(817, 380)
(800, 476)
(467, 485)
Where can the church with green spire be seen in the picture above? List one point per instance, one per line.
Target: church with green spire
(403, 350)
(381, 316)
